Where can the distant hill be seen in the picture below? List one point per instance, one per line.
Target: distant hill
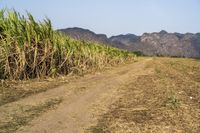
(158, 43)
(84, 34)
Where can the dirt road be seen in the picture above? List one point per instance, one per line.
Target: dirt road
(149, 95)
(83, 101)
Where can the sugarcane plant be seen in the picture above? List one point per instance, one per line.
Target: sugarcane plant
(31, 49)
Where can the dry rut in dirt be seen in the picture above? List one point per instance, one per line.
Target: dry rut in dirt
(83, 100)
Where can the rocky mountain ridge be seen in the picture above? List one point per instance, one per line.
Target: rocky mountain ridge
(157, 43)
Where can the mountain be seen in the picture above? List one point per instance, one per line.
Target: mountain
(124, 41)
(84, 34)
(170, 44)
(157, 43)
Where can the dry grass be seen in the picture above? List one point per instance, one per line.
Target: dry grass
(11, 91)
(166, 101)
(26, 114)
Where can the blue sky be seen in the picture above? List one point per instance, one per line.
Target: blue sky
(114, 17)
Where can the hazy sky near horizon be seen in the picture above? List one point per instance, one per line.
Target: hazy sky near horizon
(114, 17)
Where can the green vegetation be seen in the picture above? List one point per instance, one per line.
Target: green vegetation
(172, 102)
(30, 49)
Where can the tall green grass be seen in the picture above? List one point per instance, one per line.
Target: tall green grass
(30, 49)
